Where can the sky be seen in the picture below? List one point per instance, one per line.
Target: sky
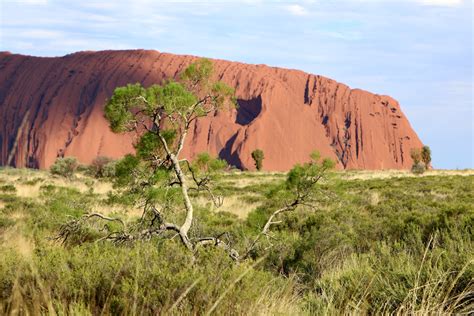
(417, 51)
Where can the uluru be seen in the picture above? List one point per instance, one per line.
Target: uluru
(53, 106)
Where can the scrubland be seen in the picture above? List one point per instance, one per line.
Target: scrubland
(372, 243)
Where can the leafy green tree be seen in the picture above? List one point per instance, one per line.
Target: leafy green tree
(156, 175)
(421, 159)
(258, 157)
(426, 155)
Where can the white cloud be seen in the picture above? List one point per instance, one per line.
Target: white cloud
(438, 3)
(441, 3)
(40, 2)
(296, 9)
(41, 34)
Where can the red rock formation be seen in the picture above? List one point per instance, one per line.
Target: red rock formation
(51, 107)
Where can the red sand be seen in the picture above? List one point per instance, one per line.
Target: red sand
(54, 106)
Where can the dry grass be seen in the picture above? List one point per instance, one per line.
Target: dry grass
(13, 237)
(28, 191)
(233, 204)
(29, 181)
(107, 210)
(386, 174)
(245, 179)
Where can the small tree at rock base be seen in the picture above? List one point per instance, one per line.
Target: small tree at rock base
(415, 154)
(258, 157)
(426, 156)
(418, 166)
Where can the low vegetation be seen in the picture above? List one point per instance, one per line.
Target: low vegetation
(367, 244)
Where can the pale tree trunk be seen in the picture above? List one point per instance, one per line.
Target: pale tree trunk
(184, 229)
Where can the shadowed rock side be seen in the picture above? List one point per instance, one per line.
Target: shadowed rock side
(51, 107)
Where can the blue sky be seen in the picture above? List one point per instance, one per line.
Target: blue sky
(417, 51)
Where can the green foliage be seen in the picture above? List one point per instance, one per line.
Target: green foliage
(421, 159)
(138, 280)
(198, 72)
(426, 155)
(8, 188)
(365, 251)
(102, 167)
(64, 167)
(149, 145)
(418, 168)
(118, 109)
(204, 162)
(258, 156)
(175, 98)
(195, 96)
(301, 177)
(124, 168)
(415, 154)
(225, 95)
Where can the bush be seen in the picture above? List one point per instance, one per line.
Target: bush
(418, 168)
(415, 154)
(145, 279)
(102, 167)
(426, 156)
(8, 188)
(64, 167)
(258, 157)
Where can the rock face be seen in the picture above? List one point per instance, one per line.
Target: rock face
(51, 107)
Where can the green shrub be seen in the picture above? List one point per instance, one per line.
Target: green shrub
(102, 167)
(258, 157)
(144, 279)
(426, 155)
(8, 188)
(64, 167)
(418, 168)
